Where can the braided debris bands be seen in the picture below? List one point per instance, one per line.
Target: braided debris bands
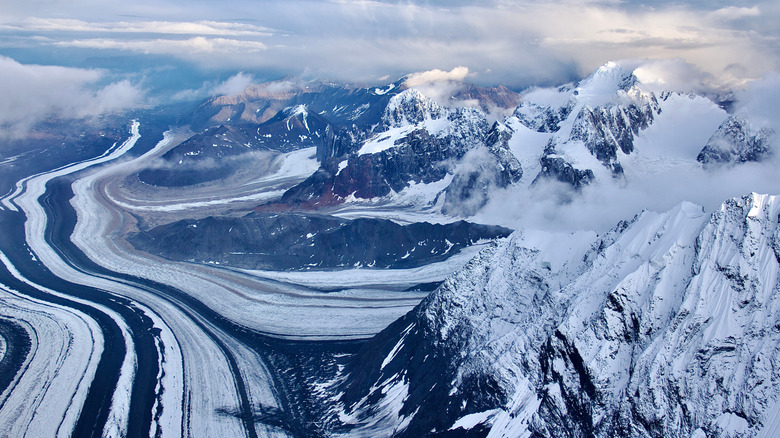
(288, 307)
(137, 345)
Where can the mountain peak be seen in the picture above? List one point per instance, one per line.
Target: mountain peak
(604, 83)
(297, 110)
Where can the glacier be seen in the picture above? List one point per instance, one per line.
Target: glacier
(616, 307)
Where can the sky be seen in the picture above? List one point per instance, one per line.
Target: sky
(105, 54)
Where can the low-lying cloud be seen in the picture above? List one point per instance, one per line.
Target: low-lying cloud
(233, 85)
(600, 206)
(33, 93)
(677, 177)
(760, 102)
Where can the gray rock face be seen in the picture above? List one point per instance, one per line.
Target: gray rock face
(605, 130)
(481, 171)
(669, 325)
(556, 168)
(291, 241)
(603, 114)
(278, 116)
(204, 157)
(545, 118)
(735, 142)
(433, 140)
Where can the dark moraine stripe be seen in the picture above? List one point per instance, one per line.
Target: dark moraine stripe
(145, 336)
(298, 414)
(17, 342)
(95, 411)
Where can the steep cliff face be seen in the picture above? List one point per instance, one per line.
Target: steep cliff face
(418, 142)
(391, 144)
(482, 170)
(601, 118)
(736, 141)
(290, 241)
(668, 325)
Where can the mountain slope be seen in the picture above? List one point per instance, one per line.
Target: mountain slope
(417, 142)
(736, 141)
(668, 325)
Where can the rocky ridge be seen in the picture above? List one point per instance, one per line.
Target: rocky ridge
(737, 141)
(418, 142)
(665, 326)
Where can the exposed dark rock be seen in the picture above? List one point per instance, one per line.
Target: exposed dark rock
(208, 155)
(735, 142)
(342, 105)
(427, 366)
(481, 171)
(556, 168)
(488, 97)
(417, 157)
(604, 130)
(497, 142)
(291, 129)
(544, 118)
(296, 241)
(339, 142)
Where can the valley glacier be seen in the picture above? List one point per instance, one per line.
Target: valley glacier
(591, 259)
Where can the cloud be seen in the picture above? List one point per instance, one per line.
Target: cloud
(441, 85)
(735, 13)
(675, 74)
(515, 42)
(202, 27)
(760, 102)
(553, 206)
(175, 47)
(436, 75)
(660, 174)
(233, 85)
(33, 93)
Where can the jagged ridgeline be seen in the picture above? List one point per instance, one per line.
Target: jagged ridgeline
(668, 325)
(395, 144)
(310, 259)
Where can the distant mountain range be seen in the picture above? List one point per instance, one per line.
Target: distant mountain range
(377, 142)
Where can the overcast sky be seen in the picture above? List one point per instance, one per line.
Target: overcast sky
(515, 42)
(144, 48)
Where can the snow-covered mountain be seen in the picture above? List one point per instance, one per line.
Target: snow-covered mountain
(292, 260)
(451, 149)
(737, 141)
(605, 129)
(667, 325)
(418, 142)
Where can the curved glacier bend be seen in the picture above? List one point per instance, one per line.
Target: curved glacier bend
(141, 355)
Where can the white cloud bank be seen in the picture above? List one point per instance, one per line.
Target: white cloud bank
(233, 85)
(174, 47)
(660, 173)
(201, 27)
(436, 75)
(33, 93)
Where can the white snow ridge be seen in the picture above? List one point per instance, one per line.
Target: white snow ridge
(668, 325)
